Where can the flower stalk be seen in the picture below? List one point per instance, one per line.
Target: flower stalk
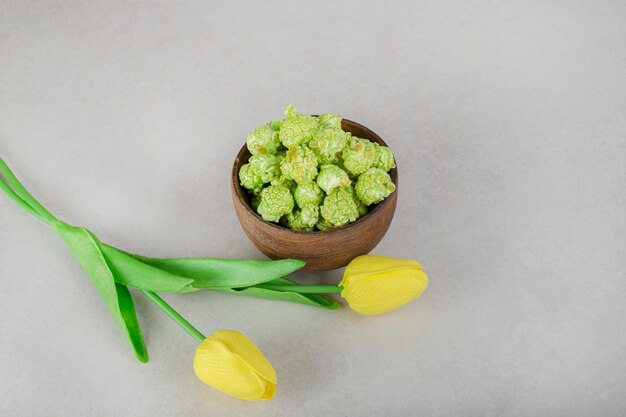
(304, 289)
(174, 315)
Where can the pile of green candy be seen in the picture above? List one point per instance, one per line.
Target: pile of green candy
(307, 173)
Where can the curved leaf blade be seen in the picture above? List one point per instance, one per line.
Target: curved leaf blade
(132, 329)
(315, 300)
(132, 272)
(85, 247)
(213, 273)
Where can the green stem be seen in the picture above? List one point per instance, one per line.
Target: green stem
(23, 204)
(21, 191)
(174, 315)
(303, 289)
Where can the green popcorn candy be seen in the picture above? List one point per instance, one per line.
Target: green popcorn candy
(310, 215)
(276, 125)
(300, 165)
(324, 225)
(384, 158)
(350, 189)
(250, 178)
(276, 201)
(330, 120)
(339, 207)
(266, 165)
(360, 206)
(287, 183)
(362, 209)
(280, 156)
(373, 186)
(263, 140)
(331, 177)
(359, 156)
(328, 144)
(291, 111)
(297, 129)
(303, 220)
(342, 166)
(308, 194)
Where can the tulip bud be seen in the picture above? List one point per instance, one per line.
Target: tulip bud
(229, 361)
(374, 284)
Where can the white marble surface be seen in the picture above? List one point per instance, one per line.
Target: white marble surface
(508, 122)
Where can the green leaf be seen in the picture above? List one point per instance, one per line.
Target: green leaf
(315, 300)
(85, 247)
(127, 308)
(213, 273)
(134, 273)
(231, 276)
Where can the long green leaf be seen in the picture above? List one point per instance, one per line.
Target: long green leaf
(192, 274)
(127, 308)
(21, 191)
(230, 276)
(85, 247)
(212, 273)
(315, 300)
(13, 196)
(134, 273)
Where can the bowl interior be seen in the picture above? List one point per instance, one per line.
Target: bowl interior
(357, 130)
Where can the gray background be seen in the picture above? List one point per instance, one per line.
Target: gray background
(508, 123)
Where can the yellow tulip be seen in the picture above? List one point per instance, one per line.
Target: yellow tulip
(374, 284)
(229, 361)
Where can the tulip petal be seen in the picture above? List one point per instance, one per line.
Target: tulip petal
(270, 391)
(372, 294)
(218, 367)
(243, 347)
(368, 264)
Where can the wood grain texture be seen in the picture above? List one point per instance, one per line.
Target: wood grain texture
(320, 250)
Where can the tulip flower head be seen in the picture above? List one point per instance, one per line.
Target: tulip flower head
(374, 284)
(229, 361)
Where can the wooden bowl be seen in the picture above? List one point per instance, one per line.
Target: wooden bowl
(320, 250)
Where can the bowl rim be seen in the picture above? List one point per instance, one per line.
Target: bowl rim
(239, 192)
